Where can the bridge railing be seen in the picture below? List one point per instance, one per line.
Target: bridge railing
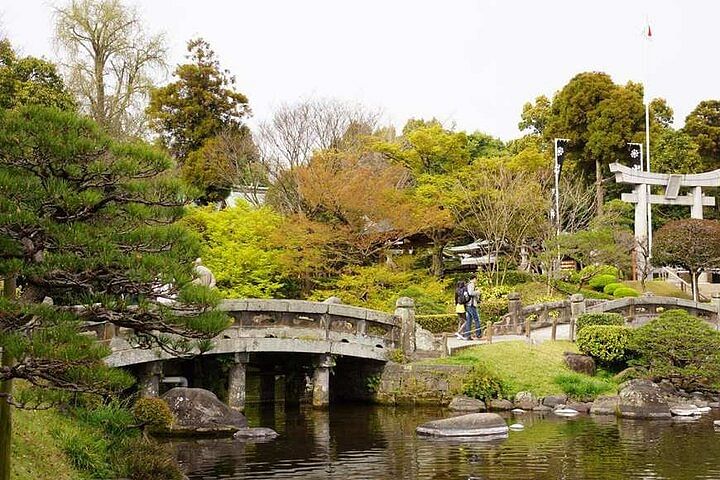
(333, 320)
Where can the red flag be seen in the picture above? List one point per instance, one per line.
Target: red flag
(649, 32)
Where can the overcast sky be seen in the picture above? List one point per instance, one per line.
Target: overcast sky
(472, 64)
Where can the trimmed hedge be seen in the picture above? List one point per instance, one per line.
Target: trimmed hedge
(438, 323)
(624, 292)
(598, 282)
(608, 344)
(681, 348)
(611, 287)
(588, 319)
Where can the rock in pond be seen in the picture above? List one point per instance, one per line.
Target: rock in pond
(685, 411)
(642, 399)
(199, 412)
(716, 424)
(464, 403)
(259, 433)
(525, 400)
(553, 401)
(517, 411)
(516, 427)
(605, 405)
(470, 425)
(500, 404)
(564, 411)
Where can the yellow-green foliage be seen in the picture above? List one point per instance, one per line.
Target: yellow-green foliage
(443, 322)
(238, 248)
(379, 286)
(153, 412)
(623, 292)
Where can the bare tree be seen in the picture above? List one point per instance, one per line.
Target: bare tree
(506, 207)
(295, 131)
(110, 61)
(577, 203)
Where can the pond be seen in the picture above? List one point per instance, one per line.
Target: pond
(370, 442)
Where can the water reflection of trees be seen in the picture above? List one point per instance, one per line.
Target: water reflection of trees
(350, 442)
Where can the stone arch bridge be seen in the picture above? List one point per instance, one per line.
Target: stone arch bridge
(275, 336)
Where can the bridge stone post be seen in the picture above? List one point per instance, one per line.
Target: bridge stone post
(715, 301)
(321, 381)
(237, 381)
(405, 311)
(149, 382)
(577, 308)
(515, 310)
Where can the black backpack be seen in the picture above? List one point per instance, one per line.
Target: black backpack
(462, 295)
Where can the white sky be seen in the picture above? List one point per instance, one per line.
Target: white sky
(469, 63)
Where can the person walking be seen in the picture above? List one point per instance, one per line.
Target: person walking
(461, 299)
(472, 327)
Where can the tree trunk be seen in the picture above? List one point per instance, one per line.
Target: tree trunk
(9, 287)
(100, 112)
(438, 264)
(599, 190)
(694, 276)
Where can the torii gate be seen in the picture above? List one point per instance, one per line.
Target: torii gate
(672, 183)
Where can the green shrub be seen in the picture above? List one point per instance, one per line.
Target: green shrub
(492, 309)
(593, 270)
(112, 418)
(153, 412)
(598, 282)
(611, 287)
(623, 292)
(512, 277)
(438, 323)
(147, 460)
(681, 348)
(587, 319)
(482, 384)
(582, 387)
(608, 344)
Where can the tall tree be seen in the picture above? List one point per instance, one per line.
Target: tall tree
(200, 104)
(295, 131)
(110, 61)
(30, 81)
(599, 118)
(87, 221)
(534, 117)
(703, 125)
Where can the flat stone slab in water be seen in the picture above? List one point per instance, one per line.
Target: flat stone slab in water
(471, 425)
(257, 432)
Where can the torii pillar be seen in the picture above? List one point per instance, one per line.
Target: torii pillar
(672, 183)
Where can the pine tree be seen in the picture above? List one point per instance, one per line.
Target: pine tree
(89, 223)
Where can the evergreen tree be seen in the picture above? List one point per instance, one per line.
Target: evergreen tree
(89, 223)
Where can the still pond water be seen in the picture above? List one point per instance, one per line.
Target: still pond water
(366, 442)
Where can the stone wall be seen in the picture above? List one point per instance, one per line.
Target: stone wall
(412, 384)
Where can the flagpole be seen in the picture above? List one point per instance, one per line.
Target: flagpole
(646, 91)
(557, 190)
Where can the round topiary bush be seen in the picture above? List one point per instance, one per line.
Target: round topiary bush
(611, 287)
(681, 348)
(607, 344)
(153, 413)
(587, 319)
(623, 292)
(598, 282)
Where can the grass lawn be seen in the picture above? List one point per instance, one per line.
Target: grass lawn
(36, 454)
(660, 288)
(526, 367)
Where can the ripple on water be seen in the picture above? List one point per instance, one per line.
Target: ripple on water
(364, 442)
